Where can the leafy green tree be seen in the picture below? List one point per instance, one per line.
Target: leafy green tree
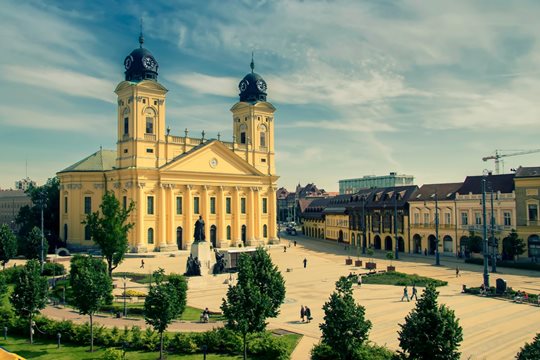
(475, 243)
(3, 287)
(345, 328)
(29, 295)
(164, 303)
(30, 216)
(258, 294)
(513, 245)
(109, 229)
(8, 245)
(530, 351)
(91, 287)
(431, 331)
(31, 247)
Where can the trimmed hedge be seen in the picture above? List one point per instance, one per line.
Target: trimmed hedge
(508, 264)
(508, 294)
(400, 279)
(53, 269)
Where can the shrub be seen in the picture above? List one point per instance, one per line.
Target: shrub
(183, 343)
(230, 342)
(51, 269)
(137, 293)
(530, 351)
(373, 352)
(150, 340)
(12, 273)
(112, 354)
(264, 346)
(136, 337)
(323, 352)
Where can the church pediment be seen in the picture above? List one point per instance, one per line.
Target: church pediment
(212, 158)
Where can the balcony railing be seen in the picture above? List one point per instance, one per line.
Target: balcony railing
(150, 137)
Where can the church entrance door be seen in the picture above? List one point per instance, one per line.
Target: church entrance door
(213, 232)
(179, 237)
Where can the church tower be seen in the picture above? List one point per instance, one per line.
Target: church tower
(141, 112)
(253, 123)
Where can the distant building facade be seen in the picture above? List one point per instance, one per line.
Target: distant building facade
(11, 201)
(291, 205)
(351, 186)
(527, 183)
(24, 184)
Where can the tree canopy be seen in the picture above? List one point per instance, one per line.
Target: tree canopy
(430, 332)
(164, 303)
(29, 295)
(530, 351)
(91, 285)
(31, 245)
(513, 245)
(8, 245)
(260, 288)
(345, 328)
(109, 229)
(30, 216)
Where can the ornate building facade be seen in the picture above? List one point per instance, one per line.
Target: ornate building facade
(175, 179)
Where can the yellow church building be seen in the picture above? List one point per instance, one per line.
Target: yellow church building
(175, 179)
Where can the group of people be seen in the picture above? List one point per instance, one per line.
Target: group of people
(414, 294)
(305, 314)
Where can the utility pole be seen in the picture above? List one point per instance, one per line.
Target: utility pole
(486, 272)
(494, 257)
(364, 242)
(437, 257)
(395, 224)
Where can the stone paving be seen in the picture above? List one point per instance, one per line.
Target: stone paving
(493, 329)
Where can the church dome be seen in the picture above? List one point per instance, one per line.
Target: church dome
(141, 64)
(252, 87)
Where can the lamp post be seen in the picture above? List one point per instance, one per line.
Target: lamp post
(364, 241)
(437, 257)
(486, 272)
(125, 307)
(41, 205)
(494, 248)
(395, 224)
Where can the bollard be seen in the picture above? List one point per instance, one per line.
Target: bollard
(5, 332)
(204, 348)
(58, 336)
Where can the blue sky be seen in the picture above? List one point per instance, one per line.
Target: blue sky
(425, 88)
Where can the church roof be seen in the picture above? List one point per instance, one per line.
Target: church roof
(101, 160)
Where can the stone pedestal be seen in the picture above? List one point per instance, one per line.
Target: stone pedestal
(202, 251)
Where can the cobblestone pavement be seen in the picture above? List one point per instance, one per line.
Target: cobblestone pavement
(493, 329)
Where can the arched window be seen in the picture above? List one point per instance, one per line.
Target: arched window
(228, 232)
(150, 115)
(243, 139)
(150, 236)
(262, 135)
(265, 231)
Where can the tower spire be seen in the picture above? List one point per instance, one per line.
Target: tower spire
(141, 37)
(252, 65)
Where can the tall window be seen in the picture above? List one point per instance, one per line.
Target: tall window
(243, 137)
(426, 219)
(228, 232)
(65, 204)
(464, 218)
(212, 205)
(265, 205)
(87, 204)
(178, 205)
(87, 233)
(243, 205)
(533, 212)
(265, 231)
(262, 135)
(126, 125)
(478, 218)
(149, 125)
(228, 205)
(447, 218)
(416, 218)
(196, 205)
(507, 219)
(150, 205)
(150, 235)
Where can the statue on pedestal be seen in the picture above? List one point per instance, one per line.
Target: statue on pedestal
(219, 266)
(199, 230)
(193, 266)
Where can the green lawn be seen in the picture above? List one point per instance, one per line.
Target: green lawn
(400, 279)
(47, 351)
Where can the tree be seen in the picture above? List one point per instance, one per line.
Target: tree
(31, 246)
(29, 295)
(3, 286)
(430, 331)
(109, 230)
(475, 243)
(513, 245)
(30, 216)
(258, 294)
(164, 303)
(91, 287)
(530, 351)
(8, 245)
(345, 328)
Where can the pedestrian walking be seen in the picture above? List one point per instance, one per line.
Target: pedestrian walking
(284, 248)
(142, 263)
(305, 263)
(308, 314)
(294, 242)
(413, 294)
(405, 293)
(359, 279)
(425, 252)
(457, 271)
(302, 313)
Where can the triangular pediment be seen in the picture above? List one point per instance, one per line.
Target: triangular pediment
(212, 158)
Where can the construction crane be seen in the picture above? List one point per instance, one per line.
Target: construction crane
(497, 157)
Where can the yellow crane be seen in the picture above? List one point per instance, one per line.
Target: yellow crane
(500, 153)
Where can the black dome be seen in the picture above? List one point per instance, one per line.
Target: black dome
(252, 87)
(141, 64)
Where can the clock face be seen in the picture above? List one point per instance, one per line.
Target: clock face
(213, 163)
(261, 85)
(128, 62)
(243, 85)
(148, 62)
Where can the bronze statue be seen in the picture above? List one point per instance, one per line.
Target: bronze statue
(199, 230)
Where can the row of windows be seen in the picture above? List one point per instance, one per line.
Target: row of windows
(507, 218)
(196, 205)
(337, 222)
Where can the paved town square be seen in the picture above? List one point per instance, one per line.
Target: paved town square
(493, 329)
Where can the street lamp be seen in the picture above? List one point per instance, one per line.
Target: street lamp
(364, 242)
(125, 307)
(437, 258)
(395, 224)
(484, 227)
(41, 202)
(494, 248)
